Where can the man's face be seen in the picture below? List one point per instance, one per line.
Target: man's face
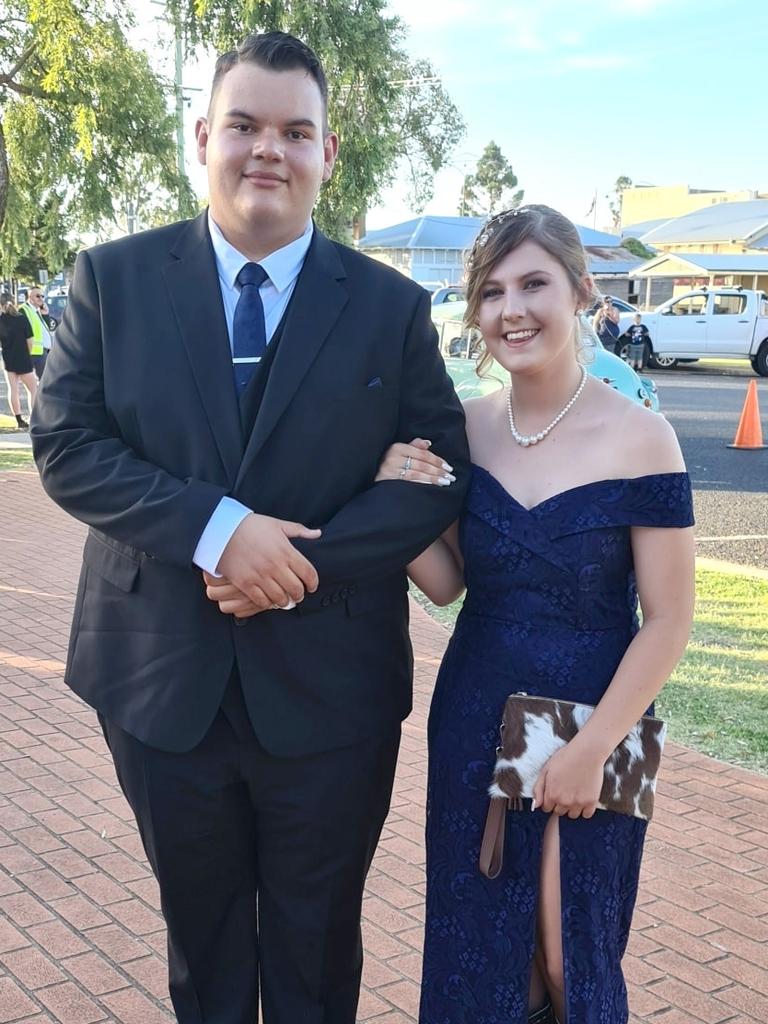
(36, 297)
(266, 151)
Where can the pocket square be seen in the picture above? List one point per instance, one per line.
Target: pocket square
(374, 382)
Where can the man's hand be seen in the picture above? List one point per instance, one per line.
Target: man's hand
(232, 601)
(264, 566)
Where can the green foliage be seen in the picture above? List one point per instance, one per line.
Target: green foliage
(485, 191)
(636, 247)
(80, 110)
(387, 109)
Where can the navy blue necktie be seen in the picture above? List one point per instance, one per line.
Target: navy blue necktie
(249, 335)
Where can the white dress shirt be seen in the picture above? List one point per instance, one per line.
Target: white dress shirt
(283, 266)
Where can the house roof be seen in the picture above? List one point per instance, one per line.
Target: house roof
(709, 262)
(642, 228)
(721, 222)
(425, 233)
(454, 233)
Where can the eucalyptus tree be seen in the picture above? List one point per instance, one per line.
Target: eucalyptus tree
(80, 110)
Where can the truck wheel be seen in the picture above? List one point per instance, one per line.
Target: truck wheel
(760, 362)
(662, 362)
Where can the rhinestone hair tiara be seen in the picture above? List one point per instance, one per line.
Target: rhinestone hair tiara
(490, 226)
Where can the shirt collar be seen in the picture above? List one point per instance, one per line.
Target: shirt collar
(282, 265)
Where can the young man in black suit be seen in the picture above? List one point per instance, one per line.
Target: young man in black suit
(215, 408)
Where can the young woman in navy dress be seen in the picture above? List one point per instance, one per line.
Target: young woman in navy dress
(579, 502)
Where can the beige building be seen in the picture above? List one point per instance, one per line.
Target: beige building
(643, 203)
(721, 245)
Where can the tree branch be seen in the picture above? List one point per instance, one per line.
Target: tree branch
(6, 78)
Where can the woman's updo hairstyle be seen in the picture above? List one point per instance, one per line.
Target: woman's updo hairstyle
(506, 231)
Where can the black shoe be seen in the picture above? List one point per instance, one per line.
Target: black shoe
(21, 423)
(542, 1016)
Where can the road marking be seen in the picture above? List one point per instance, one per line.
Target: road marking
(737, 536)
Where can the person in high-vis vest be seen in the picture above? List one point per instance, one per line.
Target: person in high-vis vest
(41, 336)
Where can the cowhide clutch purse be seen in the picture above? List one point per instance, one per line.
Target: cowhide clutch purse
(532, 730)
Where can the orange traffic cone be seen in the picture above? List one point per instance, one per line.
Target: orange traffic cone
(749, 435)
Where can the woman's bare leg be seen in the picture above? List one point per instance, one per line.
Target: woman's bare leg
(12, 380)
(549, 946)
(29, 380)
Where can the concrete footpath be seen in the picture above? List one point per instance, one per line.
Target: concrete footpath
(81, 938)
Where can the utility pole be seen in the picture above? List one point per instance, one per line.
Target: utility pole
(179, 90)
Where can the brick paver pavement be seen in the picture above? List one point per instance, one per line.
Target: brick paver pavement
(81, 938)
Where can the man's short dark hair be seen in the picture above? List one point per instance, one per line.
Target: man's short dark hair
(275, 51)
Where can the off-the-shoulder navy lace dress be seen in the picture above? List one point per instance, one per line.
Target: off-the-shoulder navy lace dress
(551, 607)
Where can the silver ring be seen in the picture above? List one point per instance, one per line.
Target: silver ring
(408, 462)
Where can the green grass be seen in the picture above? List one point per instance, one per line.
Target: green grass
(16, 460)
(717, 698)
(8, 423)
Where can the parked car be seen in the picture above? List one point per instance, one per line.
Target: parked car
(457, 344)
(718, 322)
(56, 303)
(450, 293)
(621, 304)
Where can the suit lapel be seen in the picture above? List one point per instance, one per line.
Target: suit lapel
(315, 307)
(195, 295)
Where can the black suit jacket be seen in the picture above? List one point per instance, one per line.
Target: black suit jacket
(137, 432)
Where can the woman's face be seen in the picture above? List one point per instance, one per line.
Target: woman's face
(527, 308)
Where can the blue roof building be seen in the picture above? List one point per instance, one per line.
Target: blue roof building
(431, 249)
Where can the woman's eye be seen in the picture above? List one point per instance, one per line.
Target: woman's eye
(489, 293)
(535, 283)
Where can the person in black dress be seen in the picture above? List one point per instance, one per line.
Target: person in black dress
(562, 530)
(15, 334)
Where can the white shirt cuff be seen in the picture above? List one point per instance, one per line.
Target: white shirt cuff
(226, 518)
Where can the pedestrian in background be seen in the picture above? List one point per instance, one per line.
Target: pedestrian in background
(637, 335)
(15, 342)
(36, 311)
(606, 324)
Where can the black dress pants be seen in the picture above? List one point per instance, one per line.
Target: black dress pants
(261, 863)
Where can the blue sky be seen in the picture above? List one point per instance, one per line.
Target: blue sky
(577, 93)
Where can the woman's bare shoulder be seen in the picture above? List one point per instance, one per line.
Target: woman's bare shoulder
(648, 441)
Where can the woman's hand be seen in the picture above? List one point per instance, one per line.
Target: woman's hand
(415, 463)
(570, 782)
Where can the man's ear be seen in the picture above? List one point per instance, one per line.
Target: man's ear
(330, 152)
(201, 137)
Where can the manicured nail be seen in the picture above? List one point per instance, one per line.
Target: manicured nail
(443, 481)
(446, 466)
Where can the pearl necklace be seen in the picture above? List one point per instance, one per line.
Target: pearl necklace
(527, 439)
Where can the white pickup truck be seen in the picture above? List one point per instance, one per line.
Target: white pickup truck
(717, 322)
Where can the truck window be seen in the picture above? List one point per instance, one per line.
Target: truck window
(691, 305)
(729, 305)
